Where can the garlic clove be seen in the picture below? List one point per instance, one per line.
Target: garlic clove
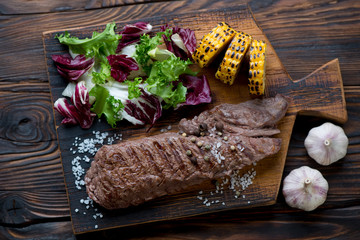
(305, 188)
(326, 144)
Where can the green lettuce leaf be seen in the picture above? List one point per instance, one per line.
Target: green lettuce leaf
(134, 90)
(102, 76)
(162, 77)
(106, 104)
(145, 45)
(100, 45)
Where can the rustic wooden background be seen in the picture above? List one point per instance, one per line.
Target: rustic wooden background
(305, 35)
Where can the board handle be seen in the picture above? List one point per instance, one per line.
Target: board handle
(319, 94)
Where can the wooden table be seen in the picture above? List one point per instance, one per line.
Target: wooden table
(33, 201)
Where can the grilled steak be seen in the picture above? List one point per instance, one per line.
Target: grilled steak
(133, 172)
(251, 118)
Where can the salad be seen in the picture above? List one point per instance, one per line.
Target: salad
(134, 75)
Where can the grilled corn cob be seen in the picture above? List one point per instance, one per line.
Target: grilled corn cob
(257, 68)
(230, 65)
(212, 44)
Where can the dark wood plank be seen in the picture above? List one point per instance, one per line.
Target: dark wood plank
(28, 146)
(21, 208)
(43, 6)
(258, 223)
(49, 230)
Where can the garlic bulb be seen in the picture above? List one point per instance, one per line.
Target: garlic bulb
(326, 144)
(305, 188)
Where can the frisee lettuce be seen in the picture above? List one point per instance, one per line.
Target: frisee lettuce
(163, 80)
(103, 75)
(134, 90)
(146, 44)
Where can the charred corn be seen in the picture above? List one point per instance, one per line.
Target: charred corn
(230, 65)
(212, 44)
(257, 68)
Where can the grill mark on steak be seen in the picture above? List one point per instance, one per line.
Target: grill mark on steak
(144, 190)
(150, 164)
(133, 172)
(174, 173)
(148, 153)
(175, 153)
(147, 157)
(163, 157)
(177, 157)
(128, 174)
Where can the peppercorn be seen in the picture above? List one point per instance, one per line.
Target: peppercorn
(199, 143)
(197, 132)
(184, 134)
(188, 152)
(202, 127)
(193, 160)
(219, 126)
(193, 139)
(206, 158)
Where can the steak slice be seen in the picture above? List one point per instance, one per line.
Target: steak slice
(251, 118)
(133, 172)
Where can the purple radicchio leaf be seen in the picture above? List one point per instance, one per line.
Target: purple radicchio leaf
(183, 42)
(68, 111)
(121, 66)
(79, 112)
(131, 34)
(146, 108)
(198, 90)
(72, 68)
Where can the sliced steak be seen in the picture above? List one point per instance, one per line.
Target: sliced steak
(251, 118)
(133, 172)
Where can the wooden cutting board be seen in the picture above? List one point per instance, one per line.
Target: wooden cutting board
(318, 94)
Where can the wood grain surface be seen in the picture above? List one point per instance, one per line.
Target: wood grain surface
(304, 34)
